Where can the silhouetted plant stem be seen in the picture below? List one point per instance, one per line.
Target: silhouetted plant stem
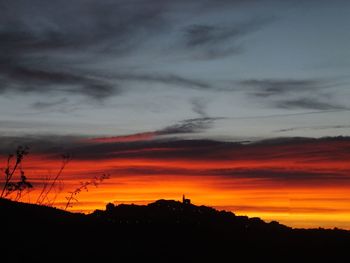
(43, 190)
(84, 186)
(8, 175)
(44, 193)
(52, 200)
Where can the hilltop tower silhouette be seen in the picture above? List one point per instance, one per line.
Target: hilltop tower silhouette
(186, 201)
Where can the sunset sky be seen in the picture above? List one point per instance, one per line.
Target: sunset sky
(242, 105)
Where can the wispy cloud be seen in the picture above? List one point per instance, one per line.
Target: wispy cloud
(277, 87)
(199, 106)
(21, 80)
(290, 94)
(188, 126)
(216, 41)
(49, 104)
(184, 127)
(308, 103)
(168, 79)
(325, 127)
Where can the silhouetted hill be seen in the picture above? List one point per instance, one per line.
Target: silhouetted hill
(171, 213)
(164, 231)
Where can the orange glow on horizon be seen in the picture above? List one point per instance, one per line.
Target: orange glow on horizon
(275, 182)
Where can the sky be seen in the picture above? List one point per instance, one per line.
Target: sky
(240, 104)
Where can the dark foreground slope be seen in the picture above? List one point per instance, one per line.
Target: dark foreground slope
(164, 231)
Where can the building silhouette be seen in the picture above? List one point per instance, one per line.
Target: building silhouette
(186, 201)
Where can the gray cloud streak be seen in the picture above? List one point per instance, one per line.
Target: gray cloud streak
(275, 87)
(168, 79)
(40, 105)
(188, 126)
(45, 45)
(293, 94)
(308, 103)
(314, 128)
(216, 41)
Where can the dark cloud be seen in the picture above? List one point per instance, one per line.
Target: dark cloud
(45, 46)
(52, 143)
(300, 150)
(42, 26)
(43, 144)
(293, 94)
(34, 36)
(325, 127)
(188, 126)
(212, 41)
(308, 103)
(283, 115)
(83, 148)
(168, 79)
(269, 157)
(282, 175)
(26, 80)
(271, 87)
(22, 79)
(197, 35)
(273, 175)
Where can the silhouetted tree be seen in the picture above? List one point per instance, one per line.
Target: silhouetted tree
(18, 187)
(9, 186)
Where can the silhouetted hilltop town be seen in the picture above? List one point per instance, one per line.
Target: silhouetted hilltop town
(170, 212)
(163, 231)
